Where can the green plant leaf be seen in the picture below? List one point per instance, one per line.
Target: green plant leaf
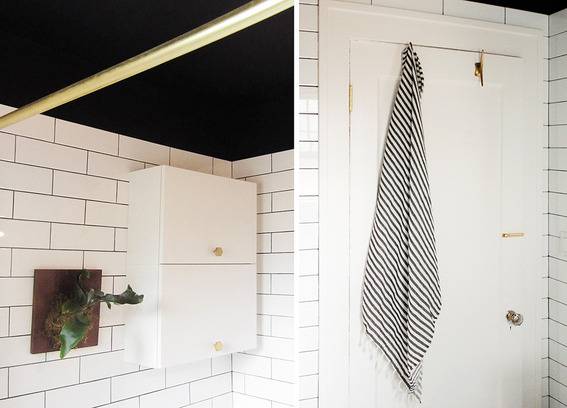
(127, 297)
(73, 332)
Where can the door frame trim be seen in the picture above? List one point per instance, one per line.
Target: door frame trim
(339, 24)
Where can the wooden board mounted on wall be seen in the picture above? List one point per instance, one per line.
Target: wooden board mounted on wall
(48, 285)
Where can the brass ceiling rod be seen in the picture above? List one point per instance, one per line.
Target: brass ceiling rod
(223, 26)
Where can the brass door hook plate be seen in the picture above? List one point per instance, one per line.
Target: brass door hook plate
(512, 234)
(479, 68)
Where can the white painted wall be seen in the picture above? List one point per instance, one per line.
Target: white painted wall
(307, 143)
(63, 203)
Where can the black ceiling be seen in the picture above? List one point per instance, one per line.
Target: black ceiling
(537, 6)
(231, 99)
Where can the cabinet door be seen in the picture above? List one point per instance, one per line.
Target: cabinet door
(201, 212)
(201, 305)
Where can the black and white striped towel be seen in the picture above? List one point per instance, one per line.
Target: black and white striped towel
(401, 297)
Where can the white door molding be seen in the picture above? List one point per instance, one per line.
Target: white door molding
(340, 23)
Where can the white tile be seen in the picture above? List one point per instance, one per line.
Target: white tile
(45, 154)
(308, 17)
(25, 401)
(66, 236)
(308, 363)
(3, 383)
(308, 236)
(221, 364)
(429, 6)
(126, 386)
(112, 317)
(37, 377)
(282, 201)
(308, 44)
(16, 291)
(308, 72)
(282, 326)
(129, 403)
(24, 261)
(28, 234)
(308, 314)
(308, 288)
(308, 127)
(558, 45)
(275, 263)
(308, 99)
(283, 370)
(85, 137)
(253, 365)
(111, 263)
(308, 338)
(111, 166)
(268, 183)
(5, 261)
(97, 366)
(264, 284)
(308, 155)
(274, 222)
(115, 215)
(6, 203)
(527, 19)
(42, 207)
(558, 134)
(247, 401)
(118, 338)
(188, 372)
(79, 396)
(4, 322)
(7, 146)
(121, 239)
(308, 182)
(558, 22)
(251, 167)
(264, 243)
(222, 168)
(237, 382)
(476, 11)
(20, 320)
(264, 203)
(275, 305)
(169, 398)
(38, 126)
(558, 90)
(308, 386)
(558, 113)
(263, 325)
(202, 404)
(223, 401)
(282, 284)
(122, 196)
(80, 186)
(269, 389)
(16, 351)
(210, 387)
(282, 160)
(15, 176)
(144, 151)
(308, 209)
(191, 161)
(282, 242)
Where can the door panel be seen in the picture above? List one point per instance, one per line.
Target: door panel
(474, 149)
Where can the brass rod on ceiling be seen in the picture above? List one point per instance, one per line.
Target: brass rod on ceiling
(223, 26)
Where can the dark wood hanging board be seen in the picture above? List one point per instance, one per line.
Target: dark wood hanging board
(48, 284)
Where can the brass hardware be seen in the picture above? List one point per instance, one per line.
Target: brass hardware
(240, 18)
(218, 345)
(350, 98)
(512, 234)
(479, 68)
(218, 251)
(515, 319)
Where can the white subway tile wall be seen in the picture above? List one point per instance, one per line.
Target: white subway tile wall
(63, 204)
(264, 377)
(307, 143)
(556, 143)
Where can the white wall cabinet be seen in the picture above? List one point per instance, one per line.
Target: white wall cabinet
(192, 253)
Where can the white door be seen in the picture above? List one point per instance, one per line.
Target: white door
(474, 139)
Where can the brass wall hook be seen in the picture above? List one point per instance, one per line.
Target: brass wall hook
(479, 68)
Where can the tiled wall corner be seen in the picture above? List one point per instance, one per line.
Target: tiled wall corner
(264, 378)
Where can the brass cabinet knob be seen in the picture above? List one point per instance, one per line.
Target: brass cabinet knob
(218, 345)
(218, 251)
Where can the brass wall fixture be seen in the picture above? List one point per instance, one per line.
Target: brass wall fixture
(479, 68)
(512, 234)
(218, 251)
(223, 26)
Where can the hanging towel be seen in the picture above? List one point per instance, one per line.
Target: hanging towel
(401, 297)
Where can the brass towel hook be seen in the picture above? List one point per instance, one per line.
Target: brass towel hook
(479, 68)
